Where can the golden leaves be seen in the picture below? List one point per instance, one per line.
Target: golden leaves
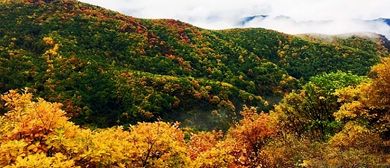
(369, 100)
(48, 40)
(39, 134)
(218, 156)
(157, 143)
(202, 142)
(25, 129)
(251, 134)
(10, 150)
(41, 160)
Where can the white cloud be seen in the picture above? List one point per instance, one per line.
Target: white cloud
(220, 14)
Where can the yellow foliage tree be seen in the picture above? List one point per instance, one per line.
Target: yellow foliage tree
(37, 134)
(202, 142)
(25, 129)
(216, 157)
(370, 102)
(364, 140)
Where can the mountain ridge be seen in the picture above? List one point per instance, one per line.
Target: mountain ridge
(245, 20)
(333, 27)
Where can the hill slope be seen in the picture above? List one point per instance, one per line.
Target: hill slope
(108, 68)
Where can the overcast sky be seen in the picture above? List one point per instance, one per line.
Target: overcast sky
(221, 14)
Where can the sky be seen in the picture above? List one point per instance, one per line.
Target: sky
(304, 16)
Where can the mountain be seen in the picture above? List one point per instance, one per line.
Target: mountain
(248, 19)
(386, 20)
(345, 39)
(108, 69)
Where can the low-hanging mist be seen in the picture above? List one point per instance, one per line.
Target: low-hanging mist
(303, 16)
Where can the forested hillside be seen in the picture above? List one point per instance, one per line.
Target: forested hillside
(108, 68)
(86, 86)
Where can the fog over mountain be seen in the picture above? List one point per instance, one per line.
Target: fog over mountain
(332, 27)
(301, 16)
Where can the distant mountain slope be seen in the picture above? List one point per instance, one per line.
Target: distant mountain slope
(334, 27)
(361, 39)
(386, 20)
(108, 68)
(251, 18)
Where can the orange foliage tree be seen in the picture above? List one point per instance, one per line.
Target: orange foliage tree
(251, 134)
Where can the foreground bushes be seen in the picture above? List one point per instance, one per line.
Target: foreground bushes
(37, 133)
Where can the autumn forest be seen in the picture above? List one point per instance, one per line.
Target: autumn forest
(83, 86)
